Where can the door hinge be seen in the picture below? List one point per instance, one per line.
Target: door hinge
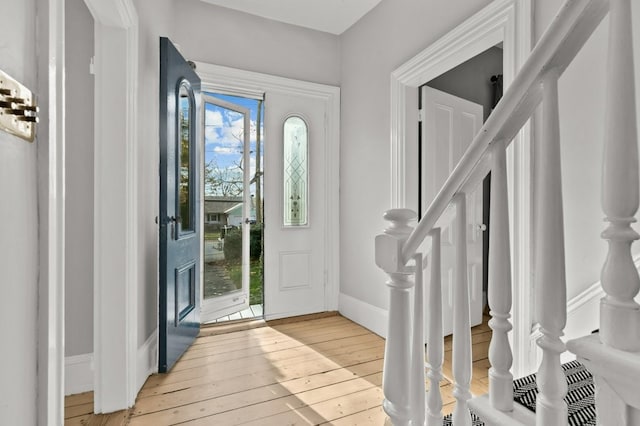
(421, 114)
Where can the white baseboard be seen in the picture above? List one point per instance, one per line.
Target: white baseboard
(368, 316)
(78, 374)
(78, 370)
(583, 310)
(147, 360)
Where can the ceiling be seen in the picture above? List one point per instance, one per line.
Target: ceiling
(331, 16)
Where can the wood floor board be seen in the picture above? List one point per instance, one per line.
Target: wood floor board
(79, 410)
(228, 387)
(344, 353)
(372, 416)
(270, 396)
(272, 336)
(276, 343)
(282, 350)
(324, 411)
(206, 390)
(325, 370)
(78, 399)
(258, 379)
(77, 421)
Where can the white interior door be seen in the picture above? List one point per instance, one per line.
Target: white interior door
(449, 124)
(295, 205)
(226, 280)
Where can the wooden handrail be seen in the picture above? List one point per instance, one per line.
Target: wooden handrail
(564, 38)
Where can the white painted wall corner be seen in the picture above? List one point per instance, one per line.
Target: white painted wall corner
(147, 360)
(368, 316)
(78, 374)
(79, 368)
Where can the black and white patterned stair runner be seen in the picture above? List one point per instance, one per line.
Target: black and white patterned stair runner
(580, 395)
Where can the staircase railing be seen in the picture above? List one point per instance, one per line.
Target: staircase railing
(397, 247)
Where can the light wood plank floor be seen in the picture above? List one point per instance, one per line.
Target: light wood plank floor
(319, 371)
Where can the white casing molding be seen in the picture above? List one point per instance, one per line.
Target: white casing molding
(79, 368)
(509, 22)
(369, 316)
(220, 79)
(51, 209)
(147, 362)
(115, 204)
(78, 374)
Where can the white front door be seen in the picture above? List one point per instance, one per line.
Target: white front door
(449, 124)
(295, 205)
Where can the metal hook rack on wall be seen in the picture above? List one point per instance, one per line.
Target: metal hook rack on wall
(18, 111)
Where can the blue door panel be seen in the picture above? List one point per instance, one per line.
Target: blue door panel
(179, 274)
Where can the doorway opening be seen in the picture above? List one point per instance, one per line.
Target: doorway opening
(453, 107)
(233, 208)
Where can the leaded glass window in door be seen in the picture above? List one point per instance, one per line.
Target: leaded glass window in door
(296, 172)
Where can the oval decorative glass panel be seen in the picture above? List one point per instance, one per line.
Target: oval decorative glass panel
(296, 171)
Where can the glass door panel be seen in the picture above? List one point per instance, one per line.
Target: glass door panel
(232, 209)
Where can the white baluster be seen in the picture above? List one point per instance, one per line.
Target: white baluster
(435, 346)
(461, 322)
(551, 292)
(619, 314)
(397, 354)
(418, 388)
(500, 356)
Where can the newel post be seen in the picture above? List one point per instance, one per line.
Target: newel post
(397, 356)
(619, 314)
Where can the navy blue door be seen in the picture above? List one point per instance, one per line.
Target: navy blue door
(179, 274)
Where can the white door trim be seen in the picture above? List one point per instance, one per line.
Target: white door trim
(509, 22)
(51, 206)
(216, 78)
(115, 235)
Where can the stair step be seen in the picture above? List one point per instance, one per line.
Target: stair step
(520, 415)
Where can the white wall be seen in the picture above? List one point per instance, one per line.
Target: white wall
(79, 180)
(19, 229)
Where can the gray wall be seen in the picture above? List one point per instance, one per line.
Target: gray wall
(391, 34)
(471, 79)
(223, 37)
(582, 92)
(18, 229)
(227, 37)
(385, 38)
(154, 21)
(79, 180)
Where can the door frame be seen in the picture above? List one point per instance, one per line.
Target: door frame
(116, 26)
(115, 335)
(509, 22)
(233, 81)
(51, 211)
